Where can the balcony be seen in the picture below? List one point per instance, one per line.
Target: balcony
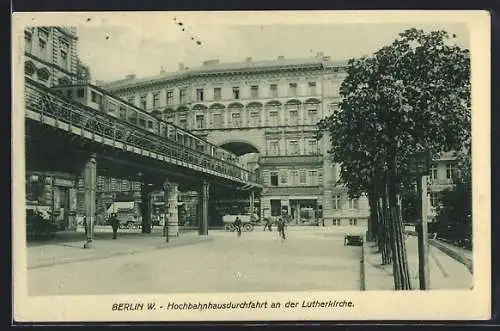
(293, 190)
(445, 181)
(291, 159)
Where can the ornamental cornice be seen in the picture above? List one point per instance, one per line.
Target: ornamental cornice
(294, 70)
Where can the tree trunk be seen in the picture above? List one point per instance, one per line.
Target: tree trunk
(406, 269)
(385, 233)
(400, 262)
(392, 238)
(372, 223)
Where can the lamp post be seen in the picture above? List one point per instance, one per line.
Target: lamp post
(419, 167)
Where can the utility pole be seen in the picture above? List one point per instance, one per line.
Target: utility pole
(423, 238)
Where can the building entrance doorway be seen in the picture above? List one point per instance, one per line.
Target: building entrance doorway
(304, 211)
(275, 207)
(61, 206)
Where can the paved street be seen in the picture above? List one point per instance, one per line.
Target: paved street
(310, 259)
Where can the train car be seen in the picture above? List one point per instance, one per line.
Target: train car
(190, 145)
(101, 100)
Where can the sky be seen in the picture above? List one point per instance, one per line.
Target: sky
(114, 51)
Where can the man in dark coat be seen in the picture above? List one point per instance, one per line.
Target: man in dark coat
(281, 227)
(85, 225)
(237, 224)
(114, 224)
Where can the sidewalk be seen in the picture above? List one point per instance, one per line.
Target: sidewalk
(445, 271)
(377, 276)
(67, 247)
(463, 256)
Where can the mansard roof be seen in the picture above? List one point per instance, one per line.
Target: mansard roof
(214, 67)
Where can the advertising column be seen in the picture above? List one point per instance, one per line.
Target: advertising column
(171, 210)
(89, 175)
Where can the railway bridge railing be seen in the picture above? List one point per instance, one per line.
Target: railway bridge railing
(49, 108)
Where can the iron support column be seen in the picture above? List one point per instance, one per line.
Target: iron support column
(146, 208)
(90, 178)
(252, 202)
(205, 191)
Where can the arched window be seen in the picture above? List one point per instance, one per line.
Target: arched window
(29, 68)
(64, 81)
(273, 113)
(235, 114)
(254, 114)
(43, 74)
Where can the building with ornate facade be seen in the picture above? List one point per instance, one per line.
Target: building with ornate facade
(51, 55)
(269, 108)
(50, 58)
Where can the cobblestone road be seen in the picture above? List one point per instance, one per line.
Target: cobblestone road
(310, 259)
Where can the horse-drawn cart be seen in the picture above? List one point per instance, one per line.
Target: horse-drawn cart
(247, 222)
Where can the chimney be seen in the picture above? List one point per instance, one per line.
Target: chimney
(181, 66)
(162, 70)
(319, 55)
(281, 57)
(131, 76)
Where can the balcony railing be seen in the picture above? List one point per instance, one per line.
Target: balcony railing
(293, 190)
(446, 181)
(44, 101)
(291, 159)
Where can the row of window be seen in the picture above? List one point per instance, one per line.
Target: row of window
(217, 95)
(292, 147)
(450, 171)
(254, 91)
(254, 119)
(42, 49)
(351, 203)
(338, 222)
(286, 177)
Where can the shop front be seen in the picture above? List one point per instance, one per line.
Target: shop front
(55, 193)
(301, 210)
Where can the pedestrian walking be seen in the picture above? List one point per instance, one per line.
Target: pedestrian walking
(237, 225)
(114, 225)
(85, 225)
(281, 228)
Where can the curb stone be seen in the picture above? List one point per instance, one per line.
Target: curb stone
(362, 282)
(119, 253)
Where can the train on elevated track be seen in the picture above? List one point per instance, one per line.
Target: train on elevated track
(101, 100)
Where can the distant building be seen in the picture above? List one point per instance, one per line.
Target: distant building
(269, 108)
(441, 178)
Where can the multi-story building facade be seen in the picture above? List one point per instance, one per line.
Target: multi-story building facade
(50, 58)
(441, 177)
(266, 107)
(51, 55)
(270, 108)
